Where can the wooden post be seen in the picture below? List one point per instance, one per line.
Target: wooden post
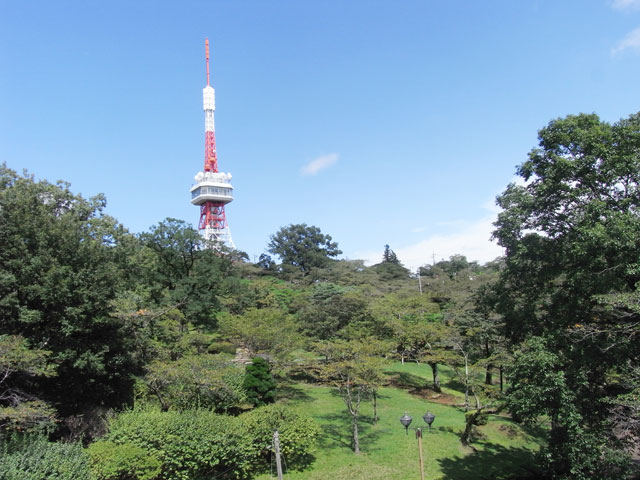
(276, 444)
(419, 436)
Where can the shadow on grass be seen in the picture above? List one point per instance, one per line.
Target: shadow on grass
(538, 430)
(293, 393)
(337, 431)
(494, 461)
(454, 384)
(406, 380)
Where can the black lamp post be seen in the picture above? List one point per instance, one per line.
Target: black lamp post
(406, 420)
(428, 419)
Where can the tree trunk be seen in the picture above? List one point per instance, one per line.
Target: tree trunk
(375, 407)
(468, 429)
(466, 384)
(501, 379)
(436, 377)
(488, 376)
(466, 397)
(356, 440)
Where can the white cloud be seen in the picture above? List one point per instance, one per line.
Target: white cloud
(631, 41)
(471, 240)
(625, 4)
(320, 163)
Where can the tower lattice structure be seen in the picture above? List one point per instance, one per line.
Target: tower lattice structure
(212, 190)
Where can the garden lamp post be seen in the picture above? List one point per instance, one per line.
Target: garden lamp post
(406, 420)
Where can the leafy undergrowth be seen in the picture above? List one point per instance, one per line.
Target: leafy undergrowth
(505, 450)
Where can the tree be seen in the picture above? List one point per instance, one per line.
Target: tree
(266, 330)
(259, 383)
(333, 311)
(183, 273)
(571, 237)
(304, 247)
(196, 381)
(354, 368)
(19, 365)
(390, 268)
(62, 263)
(389, 256)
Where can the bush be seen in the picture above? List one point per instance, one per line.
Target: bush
(110, 461)
(190, 445)
(34, 458)
(259, 383)
(297, 434)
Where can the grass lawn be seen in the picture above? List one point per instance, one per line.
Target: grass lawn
(388, 453)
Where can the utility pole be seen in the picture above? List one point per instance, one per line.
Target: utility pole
(419, 437)
(276, 445)
(419, 281)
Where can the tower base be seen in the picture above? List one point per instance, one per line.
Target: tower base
(220, 236)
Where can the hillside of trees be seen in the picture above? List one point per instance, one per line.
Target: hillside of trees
(159, 356)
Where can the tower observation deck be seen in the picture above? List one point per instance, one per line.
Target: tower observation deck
(212, 189)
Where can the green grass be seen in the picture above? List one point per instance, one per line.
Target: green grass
(388, 453)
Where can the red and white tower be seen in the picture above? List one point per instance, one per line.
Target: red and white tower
(212, 190)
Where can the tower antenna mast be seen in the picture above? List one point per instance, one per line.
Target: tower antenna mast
(206, 47)
(212, 190)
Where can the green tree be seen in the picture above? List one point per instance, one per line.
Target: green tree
(183, 272)
(355, 370)
(304, 247)
(389, 256)
(571, 237)
(259, 383)
(62, 262)
(195, 381)
(333, 311)
(19, 366)
(390, 268)
(266, 330)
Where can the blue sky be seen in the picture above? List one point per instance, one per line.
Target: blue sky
(379, 122)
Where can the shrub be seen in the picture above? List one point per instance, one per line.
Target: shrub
(34, 458)
(259, 383)
(190, 445)
(297, 432)
(110, 461)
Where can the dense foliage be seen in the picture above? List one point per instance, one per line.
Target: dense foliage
(94, 321)
(569, 290)
(62, 261)
(112, 461)
(304, 247)
(259, 383)
(190, 445)
(298, 434)
(32, 457)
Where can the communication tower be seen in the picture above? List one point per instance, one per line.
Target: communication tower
(212, 190)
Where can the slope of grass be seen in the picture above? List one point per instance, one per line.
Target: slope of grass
(388, 453)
